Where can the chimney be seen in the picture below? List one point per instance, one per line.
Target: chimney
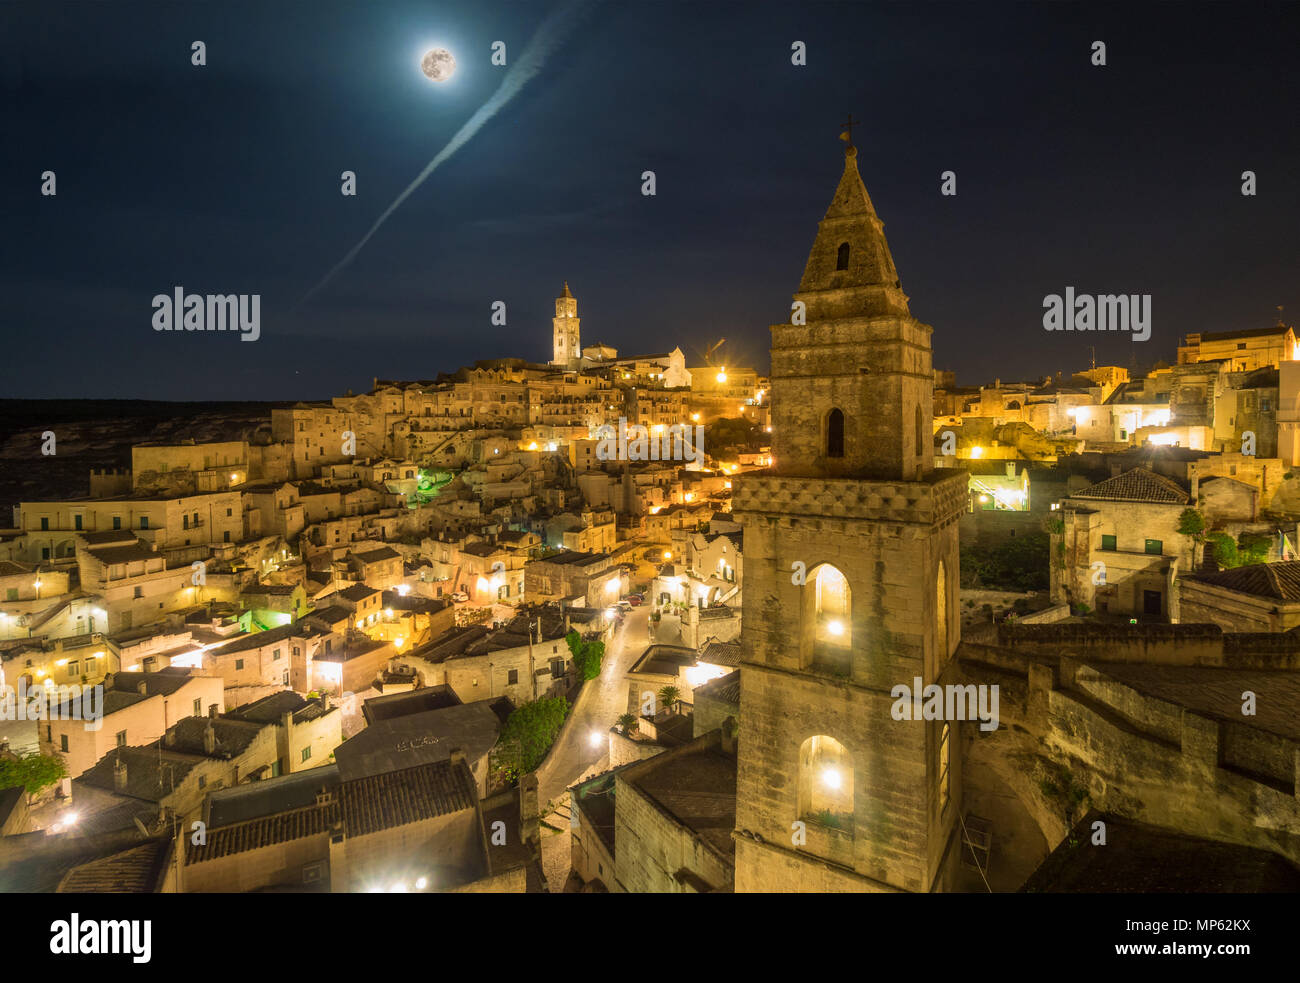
(119, 775)
(170, 737)
(212, 711)
(729, 729)
(286, 721)
(209, 739)
(528, 812)
(457, 756)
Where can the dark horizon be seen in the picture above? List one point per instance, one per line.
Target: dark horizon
(225, 179)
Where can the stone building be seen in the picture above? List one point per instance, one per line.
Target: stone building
(852, 568)
(1117, 548)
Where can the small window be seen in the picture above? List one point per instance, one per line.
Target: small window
(239, 664)
(275, 655)
(512, 677)
(144, 522)
(944, 756)
(835, 433)
(842, 257)
(45, 523)
(117, 522)
(138, 592)
(76, 519)
(1155, 547)
(198, 707)
(306, 753)
(121, 738)
(557, 668)
(1108, 543)
(203, 782)
(63, 742)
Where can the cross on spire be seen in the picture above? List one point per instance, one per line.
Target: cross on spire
(847, 135)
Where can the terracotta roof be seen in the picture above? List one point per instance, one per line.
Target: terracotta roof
(1138, 485)
(1280, 581)
(725, 689)
(266, 831)
(138, 870)
(397, 798)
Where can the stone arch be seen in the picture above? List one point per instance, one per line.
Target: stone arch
(826, 783)
(842, 257)
(835, 433)
(67, 547)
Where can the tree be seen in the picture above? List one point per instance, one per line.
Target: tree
(33, 772)
(587, 655)
(1191, 524)
(528, 734)
(668, 697)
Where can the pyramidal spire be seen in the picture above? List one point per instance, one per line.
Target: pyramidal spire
(851, 198)
(566, 291)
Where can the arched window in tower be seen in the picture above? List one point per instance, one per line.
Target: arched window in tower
(945, 756)
(835, 433)
(842, 257)
(826, 783)
(941, 616)
(831, 618)
(920, 430)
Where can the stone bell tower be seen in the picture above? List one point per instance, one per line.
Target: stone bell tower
(568, 347)
(851, 574)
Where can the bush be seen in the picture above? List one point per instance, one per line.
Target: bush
(1019, 564)
(528, 734)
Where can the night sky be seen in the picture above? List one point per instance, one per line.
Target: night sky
(225, 179)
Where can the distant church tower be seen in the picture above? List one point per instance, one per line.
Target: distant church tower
(851, 575)
(568, 348)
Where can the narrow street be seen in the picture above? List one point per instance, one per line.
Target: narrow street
(600, 704)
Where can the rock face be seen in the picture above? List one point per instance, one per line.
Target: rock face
(852, 571)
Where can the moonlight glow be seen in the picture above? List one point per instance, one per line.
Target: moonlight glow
(438, 64)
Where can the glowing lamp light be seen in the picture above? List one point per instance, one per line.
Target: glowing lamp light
(689, 496)
(977, 452)
(611, 587)
(984, 498)
(721, 376)
(668, 554)
(399, 642)
(832, 779)
(695, 416)
(835, 627)
(532, 446)
(403, 589)
(595, 738)
(421, 883)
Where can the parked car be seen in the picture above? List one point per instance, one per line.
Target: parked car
(624, 606)
(460, 596)
(634, 600)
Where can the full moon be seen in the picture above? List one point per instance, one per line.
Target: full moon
(438, 64)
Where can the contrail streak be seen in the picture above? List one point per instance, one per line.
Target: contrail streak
(552, 32)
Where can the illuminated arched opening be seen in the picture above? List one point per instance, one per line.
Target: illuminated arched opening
(945, 772)
(831, 618)
(826, 783)
(835, 433)
(842, 257)
(941, 614)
